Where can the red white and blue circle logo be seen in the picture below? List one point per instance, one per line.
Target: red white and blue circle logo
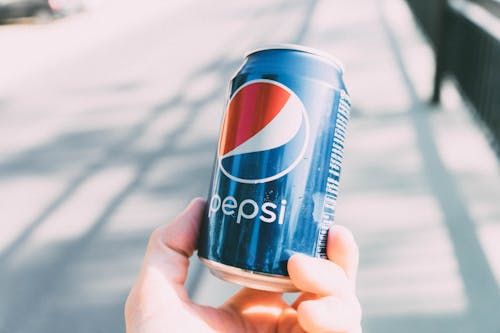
(264, 133)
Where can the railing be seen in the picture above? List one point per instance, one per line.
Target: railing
(466, 40)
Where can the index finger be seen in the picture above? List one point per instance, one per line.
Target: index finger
(335, 276)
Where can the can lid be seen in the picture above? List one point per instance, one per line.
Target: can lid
(306, 49)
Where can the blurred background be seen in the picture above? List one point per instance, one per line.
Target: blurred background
(109, 115)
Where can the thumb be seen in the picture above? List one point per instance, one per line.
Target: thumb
(160, 284)
(171, 245)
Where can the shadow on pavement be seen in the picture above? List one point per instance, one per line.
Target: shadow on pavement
(51, 274)
(483, 295)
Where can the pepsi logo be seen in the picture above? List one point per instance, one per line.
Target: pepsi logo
(264, 132)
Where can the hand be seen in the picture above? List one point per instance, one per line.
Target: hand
(159, 301)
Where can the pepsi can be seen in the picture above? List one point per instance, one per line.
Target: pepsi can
(277, 167)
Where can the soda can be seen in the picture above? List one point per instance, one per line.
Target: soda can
(277, 166)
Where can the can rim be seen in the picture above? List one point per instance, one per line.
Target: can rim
(301, 48)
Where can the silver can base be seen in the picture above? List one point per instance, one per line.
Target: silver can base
(250, 279)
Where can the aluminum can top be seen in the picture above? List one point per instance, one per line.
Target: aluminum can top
(328, 58)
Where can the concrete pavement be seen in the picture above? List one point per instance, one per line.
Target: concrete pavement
(111, 130)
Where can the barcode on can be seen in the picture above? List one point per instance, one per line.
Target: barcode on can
(334, 167)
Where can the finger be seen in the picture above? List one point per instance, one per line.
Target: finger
(343, 250)
(330, 314)
(318, 276)
(170, 246)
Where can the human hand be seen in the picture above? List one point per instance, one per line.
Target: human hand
(159, 302)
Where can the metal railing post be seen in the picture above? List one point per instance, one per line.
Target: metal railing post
(440, 48)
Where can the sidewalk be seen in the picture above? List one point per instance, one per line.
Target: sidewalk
(112, 140)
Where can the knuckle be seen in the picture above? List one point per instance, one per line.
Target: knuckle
(156, 235)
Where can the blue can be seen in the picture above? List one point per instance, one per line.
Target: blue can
(277, 167)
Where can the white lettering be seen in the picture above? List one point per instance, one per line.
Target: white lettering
(271, 216)
(247, 209)
(214, 204)
(241, 210)
(282, 211)
(229, 202)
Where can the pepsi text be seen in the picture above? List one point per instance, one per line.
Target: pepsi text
(247, 209)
